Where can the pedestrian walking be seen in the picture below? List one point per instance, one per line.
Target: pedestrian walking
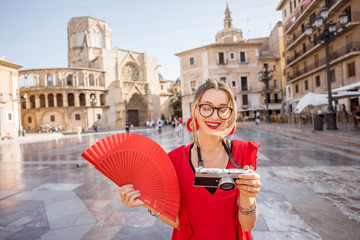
(159, 125)
(211, 213)
(176, 129)
(127, 126)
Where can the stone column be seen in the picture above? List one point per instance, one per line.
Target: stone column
(97, 95)
(87, 99)
(86, 79)
(55, 99)
(65, 99)
(46, 100)
(77, 100)
(54, 79)
(37, 101)
(36, 79)
(27, 102)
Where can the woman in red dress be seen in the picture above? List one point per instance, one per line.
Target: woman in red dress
(211, 213)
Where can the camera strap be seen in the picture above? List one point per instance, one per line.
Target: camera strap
(227, 150)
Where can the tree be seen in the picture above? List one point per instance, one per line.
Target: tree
(175, 104)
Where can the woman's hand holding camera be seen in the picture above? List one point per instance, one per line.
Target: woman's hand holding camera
(248, 184)
(129, 196)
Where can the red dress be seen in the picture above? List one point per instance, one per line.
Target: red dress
(204, 215)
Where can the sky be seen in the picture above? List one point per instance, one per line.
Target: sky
(33, 33)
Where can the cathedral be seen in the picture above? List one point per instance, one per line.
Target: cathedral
(102, 85)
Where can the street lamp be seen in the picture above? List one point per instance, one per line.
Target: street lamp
(327, 33)
(265, 76)
(20, 100)
(93, 102)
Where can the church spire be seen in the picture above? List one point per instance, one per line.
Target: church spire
(228, 20)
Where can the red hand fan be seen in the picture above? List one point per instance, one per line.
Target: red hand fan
(128, 158)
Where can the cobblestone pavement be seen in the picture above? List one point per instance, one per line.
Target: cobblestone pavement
(308, 192)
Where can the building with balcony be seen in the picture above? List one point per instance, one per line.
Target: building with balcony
(306, 60)
(10, 121)
(235, 61)
(103, 85)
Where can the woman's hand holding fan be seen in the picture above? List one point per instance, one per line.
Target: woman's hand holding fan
(137, 160)
(129, 196)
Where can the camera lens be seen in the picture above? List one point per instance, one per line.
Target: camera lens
(226, 183)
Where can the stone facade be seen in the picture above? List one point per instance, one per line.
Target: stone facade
(124, 83)
(10, 121)
(234, 61)
(306, 61)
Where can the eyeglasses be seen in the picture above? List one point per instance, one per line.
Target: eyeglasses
(207, 110)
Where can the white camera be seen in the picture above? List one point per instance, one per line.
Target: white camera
(217, 177)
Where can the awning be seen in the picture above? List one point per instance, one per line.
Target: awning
(251, 109)
(346, 95)
(352, 86)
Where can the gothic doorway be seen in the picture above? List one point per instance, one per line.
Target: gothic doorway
(137, 110)
(134, 117)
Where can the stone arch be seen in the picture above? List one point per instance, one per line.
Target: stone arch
(32, 101)
(42, 100)
(71, 99)
(50, 100)
(82, 99)
(49, 80)
(22, 80)
(137, 110)
(102, 99)
(59, 100)
(91, 79)
(31, 80)
(58, 115)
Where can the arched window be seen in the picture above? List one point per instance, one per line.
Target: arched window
(69, 80)
(71, 99)
(23, 102)
(81, 79)
(51, 100)
(91, 80)
(42, 100)
(82, 99)
(102, 99)
(97, 38)
(31, 80)
(59, 100)
(22, 81)
(32, 101)
(49, 80)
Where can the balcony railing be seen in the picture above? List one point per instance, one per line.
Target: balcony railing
(349, 48)
(272, 101)
(355, 17)
(329, 5)
(297, 15)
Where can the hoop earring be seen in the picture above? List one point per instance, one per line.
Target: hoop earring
(232, 131)
(189, 125)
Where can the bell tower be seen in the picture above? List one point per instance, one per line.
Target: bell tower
(229, 34)
(228, 20)
(88, 38)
